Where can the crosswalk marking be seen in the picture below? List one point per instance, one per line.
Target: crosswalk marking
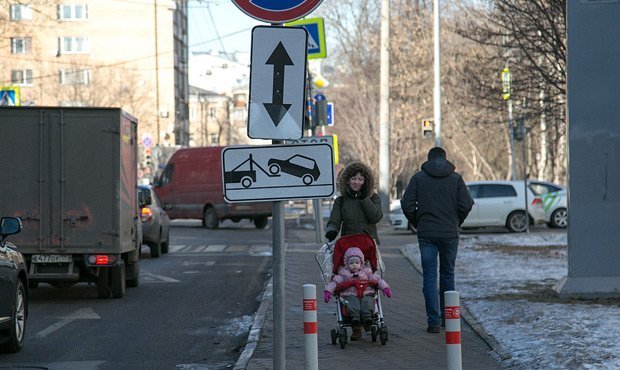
(216, 248)
(251, 249)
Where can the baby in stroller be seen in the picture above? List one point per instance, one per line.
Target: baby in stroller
(356, 284)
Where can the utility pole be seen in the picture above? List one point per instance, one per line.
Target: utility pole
(384, 108)
(437, 70)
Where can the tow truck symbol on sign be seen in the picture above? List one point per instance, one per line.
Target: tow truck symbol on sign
(298, 165)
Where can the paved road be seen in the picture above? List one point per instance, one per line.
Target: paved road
(193, 306)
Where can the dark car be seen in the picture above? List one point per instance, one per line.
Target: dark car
(13, 289)
(155, 221)
(298, 165)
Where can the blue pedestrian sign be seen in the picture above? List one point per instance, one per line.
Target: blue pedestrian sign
(316, 36)
(330, 114)
(277, 11)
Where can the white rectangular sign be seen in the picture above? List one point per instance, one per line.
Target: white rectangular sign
(277, 82)
(278, 172)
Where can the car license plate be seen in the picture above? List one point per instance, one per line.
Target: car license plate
(51, 258)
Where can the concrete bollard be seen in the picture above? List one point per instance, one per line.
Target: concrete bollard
(453, 329)
(310, 327)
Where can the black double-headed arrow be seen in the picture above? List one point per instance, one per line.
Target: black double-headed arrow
(277, 109)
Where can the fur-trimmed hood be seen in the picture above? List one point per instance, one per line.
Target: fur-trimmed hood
(350, 171)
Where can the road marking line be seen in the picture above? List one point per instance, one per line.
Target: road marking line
(216, 248)
(83, 314)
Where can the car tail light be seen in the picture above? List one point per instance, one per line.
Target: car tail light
(536, 201)
(101, 259)
(146, 214)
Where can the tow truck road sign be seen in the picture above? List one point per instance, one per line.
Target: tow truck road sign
(277, 83)
(277, 11)
(277, 172)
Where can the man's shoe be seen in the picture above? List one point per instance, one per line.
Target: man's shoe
(357, 333)
(433, 329)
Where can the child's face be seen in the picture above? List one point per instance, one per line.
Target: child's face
(355, 265)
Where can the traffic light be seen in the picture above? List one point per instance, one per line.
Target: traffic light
(147, 157)
(427, 128)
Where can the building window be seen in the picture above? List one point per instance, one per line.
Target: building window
(20, 12)
(212, 113)
(214, 139)
(74, 77)
(192, 113)
(21, 45)
(22, 77)
(72, 12)
(73, 45)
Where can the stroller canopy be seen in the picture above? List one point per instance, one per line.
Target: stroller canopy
(362, 241)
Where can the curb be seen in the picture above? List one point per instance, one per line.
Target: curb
(467, 317)
(257, 326)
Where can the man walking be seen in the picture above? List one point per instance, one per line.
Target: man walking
(436, 203)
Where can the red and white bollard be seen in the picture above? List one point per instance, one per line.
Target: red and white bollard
(310, 327)
(453, 329)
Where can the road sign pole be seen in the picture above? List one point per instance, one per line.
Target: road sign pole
(279, 333)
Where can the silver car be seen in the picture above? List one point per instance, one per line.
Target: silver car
(555, 202)
(503, 203)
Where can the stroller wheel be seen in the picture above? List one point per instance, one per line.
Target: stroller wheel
(384, 335)
(334, 334)
(373, 333)
(342, 338)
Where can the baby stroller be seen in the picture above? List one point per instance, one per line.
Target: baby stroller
(330, 259)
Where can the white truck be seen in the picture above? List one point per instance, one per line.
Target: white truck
(70, 174)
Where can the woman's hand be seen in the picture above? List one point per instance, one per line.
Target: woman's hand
(327, 296)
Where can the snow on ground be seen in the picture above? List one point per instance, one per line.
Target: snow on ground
(506, 281)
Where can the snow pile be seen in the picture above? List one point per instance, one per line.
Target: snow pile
(506, 281)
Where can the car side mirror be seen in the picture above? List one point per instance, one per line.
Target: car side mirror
(10, 226)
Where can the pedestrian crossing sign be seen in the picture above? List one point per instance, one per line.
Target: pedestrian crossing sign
(9, 96)
(316, 36)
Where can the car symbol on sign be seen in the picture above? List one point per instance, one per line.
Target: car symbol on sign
(297, 165)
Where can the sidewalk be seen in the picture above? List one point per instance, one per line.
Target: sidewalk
(409, 345)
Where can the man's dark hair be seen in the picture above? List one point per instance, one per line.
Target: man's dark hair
(436, 152)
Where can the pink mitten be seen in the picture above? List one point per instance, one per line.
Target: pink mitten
(387, 292)
(327, 296)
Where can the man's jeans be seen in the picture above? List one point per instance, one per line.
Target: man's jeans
(434, 300)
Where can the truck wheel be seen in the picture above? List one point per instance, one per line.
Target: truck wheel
(117, 280)
(156, 248)
(17, 327)
(210, 220)
(133, 275)
(103, 283)
(260, 222)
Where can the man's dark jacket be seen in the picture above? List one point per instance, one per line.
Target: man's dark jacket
(437, 201)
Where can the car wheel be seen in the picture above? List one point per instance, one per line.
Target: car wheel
(17, 329)
(246, 182)
(274, 169)
(103, 283)
(133, 273)
(117, 280)
(210, 220)
(156, 247)
(307, 179)
(559, 218)
(260, 222)
(517, 222)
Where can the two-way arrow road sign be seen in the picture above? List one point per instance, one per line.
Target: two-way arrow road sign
(277, 83)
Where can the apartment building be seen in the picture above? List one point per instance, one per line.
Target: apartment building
(129, 54)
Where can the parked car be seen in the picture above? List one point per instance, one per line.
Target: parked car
(13, 288)
(397, 217)
(502, 203)
(555, 202)
(155, 221)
